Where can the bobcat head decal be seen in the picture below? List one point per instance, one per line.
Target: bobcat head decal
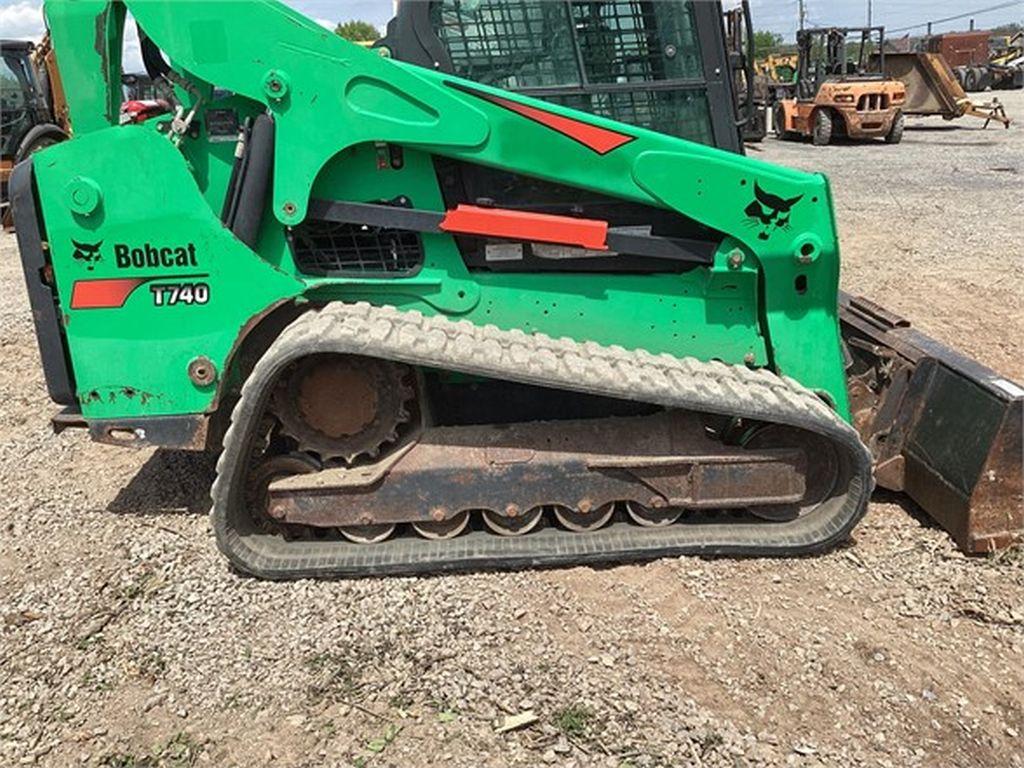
(87, 252)
(769, 212)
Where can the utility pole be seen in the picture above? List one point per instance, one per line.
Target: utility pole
(869, 13)
(803, 13)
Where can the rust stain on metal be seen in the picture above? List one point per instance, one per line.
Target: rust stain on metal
(672, 462)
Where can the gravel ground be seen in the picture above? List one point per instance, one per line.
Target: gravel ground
(931, 228)
(125, 640)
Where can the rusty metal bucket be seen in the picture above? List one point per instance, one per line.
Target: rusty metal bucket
(942, 428)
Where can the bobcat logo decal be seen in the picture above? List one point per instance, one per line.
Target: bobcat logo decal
(87, 252)
(769, 212)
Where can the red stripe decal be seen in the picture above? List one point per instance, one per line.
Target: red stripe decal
(103, 294)
(523, 225)
(601, 140)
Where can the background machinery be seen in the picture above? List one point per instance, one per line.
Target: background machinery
(980, 61)
(838, 92)
(932, 88)
(33, 112)
(1006, 62)
(431, 324)
(966, 53)
(778, 67)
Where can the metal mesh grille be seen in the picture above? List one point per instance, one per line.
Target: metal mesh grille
(590, 50)
(678, 113)
(327, 248)
(538, 43)
(512, 45)
(636, 41)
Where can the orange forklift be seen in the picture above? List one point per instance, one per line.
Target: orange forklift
(838, 94)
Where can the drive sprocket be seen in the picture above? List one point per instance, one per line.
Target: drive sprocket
(344, 406)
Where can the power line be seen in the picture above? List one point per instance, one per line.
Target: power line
(978, 12)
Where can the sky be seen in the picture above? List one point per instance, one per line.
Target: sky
(782, 16)
(22, 19)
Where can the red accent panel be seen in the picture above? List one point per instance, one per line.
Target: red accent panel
(523, 225)
(601, 140)
(103, 294)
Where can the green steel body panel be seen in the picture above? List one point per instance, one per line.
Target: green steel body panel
(126, 186)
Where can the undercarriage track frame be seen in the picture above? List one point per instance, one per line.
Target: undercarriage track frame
(412, 338)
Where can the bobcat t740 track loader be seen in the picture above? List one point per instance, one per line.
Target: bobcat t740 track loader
(431, 324)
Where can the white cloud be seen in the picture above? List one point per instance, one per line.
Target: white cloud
(22, 19)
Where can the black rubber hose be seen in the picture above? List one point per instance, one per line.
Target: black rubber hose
(748, 66)
(227, 213)
(255, 181)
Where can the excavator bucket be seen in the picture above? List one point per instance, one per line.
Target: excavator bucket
(943, 428)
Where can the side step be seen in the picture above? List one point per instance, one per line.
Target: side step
(943, 428)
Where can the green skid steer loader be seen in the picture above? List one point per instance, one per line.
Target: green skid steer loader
(430, 324)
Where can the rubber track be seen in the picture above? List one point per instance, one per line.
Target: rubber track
(410, 337)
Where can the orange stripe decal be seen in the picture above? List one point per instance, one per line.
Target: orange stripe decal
(523, 225)
(103, 294)
(601, 140)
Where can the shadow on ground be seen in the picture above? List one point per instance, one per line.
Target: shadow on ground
(933, 128)
(171, 482)
(962, 143)
(907, 504)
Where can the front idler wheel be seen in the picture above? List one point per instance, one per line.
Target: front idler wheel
(821, 471)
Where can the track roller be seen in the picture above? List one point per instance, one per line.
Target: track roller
(579, 521)
(513, 525)
(651, 518)
(443, 529)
